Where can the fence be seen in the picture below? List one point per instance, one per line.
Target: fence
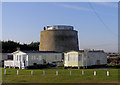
(57, 73)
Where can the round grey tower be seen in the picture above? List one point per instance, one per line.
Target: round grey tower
(59, 38)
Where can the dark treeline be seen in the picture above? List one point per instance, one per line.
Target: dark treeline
(11, 46)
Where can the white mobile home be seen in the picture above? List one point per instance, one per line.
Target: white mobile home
(82, 58)
(23, 59)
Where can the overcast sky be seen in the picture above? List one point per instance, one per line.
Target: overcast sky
(96, 23)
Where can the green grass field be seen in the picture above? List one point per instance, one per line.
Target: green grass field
(62, 77)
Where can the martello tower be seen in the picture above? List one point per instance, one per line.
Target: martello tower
(59, 38)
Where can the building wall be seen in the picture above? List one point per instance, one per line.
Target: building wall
(58, 40)
(97, 58)
(22, 60)
(15, 58)
(3, 56)
(71, 60)
(39, 58)
(19, 60)
(89, 59)
(81, 59)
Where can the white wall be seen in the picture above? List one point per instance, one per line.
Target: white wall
(71, 59)
(18, 59)
(31, 58)
(38, 57)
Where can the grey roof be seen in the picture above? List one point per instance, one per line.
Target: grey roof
(26, 51)
(96, 51)
(7, 53)
(74, 50)
(88, 51)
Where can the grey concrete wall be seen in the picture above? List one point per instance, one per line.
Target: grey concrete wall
(3, 56)
(58, 40)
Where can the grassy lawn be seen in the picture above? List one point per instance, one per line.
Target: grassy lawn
(62, 77)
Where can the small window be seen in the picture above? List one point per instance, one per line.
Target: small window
(68, 57)
(55, 57)
(37, 57)
(24, 58)
(19, 57)
(44, 57)
(40, 57)
(79, 57)
(32, 57)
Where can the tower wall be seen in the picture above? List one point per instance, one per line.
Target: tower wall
(58, 40)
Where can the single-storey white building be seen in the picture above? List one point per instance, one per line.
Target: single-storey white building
(84, 58)
(23, 59)
(3, 57)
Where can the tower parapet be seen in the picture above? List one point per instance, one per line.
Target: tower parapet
(59, 27)
(59, 38)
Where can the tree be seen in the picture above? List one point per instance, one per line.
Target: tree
(11, 46)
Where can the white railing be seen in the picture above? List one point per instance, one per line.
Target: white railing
(12, 63)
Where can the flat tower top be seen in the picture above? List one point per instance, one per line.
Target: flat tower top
(55, 27)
